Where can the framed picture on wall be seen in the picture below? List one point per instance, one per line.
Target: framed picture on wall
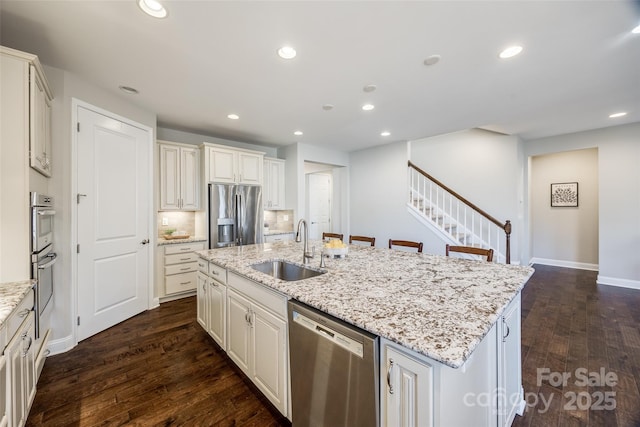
(564, 194)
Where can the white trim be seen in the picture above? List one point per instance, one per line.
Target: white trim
(566, 264)
(614, 281)
(61, 345)
(152, 301)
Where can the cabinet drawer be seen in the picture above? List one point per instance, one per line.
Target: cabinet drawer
(180, 258)
(180, 268)
(203, 265)
(270, 299)
(180, 282)
(182, 248)
(218, 273)
(19, 314)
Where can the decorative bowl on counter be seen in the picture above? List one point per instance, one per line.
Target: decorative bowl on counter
(336, 252)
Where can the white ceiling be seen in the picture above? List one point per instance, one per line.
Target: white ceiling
(210, 58)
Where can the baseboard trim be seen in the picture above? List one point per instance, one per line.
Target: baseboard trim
(614, 281)
(566, 264)
(61, 345)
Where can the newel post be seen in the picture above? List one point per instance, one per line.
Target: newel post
(507, 231)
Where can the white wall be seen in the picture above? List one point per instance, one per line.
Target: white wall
(378, 198)
(619, 194)
(66, 86)
(565, 236)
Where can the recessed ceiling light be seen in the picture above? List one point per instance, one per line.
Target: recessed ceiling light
(620, 114)
(636, 30)
(128, 89)
(298, 133)
(233, 116)
(152, 8)
(368, 107)
(510, 52)
(287, 52)
(369, 88)
(432, 60)
(327, 107)
(385, 133)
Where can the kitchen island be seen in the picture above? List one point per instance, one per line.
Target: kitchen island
(442, 311)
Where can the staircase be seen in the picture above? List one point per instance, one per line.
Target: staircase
(457, 220)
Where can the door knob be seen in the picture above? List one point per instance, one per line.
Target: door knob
(145, 241)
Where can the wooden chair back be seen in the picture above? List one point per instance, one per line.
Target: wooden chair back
(406, 243)
(326, 236)
(371, 240)
(488, 253)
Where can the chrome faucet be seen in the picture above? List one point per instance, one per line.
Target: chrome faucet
(306, 255)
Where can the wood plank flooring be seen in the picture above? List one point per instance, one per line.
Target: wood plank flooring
(161, 368)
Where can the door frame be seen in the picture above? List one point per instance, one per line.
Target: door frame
(153, 300)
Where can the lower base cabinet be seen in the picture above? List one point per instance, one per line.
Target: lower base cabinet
(22, 372)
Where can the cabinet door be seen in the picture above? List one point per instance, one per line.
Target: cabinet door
(250, 167)
(4, 415)
(274, 184)
(222, 165)
(21, 368)
(509, 365)
(169, 177)
(238, 330)
(201, 296)
(269, 355)
(189, 178)
(217, 313)
(406, 390)
(40, 125)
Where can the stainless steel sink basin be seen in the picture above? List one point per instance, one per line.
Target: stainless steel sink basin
(285, 270)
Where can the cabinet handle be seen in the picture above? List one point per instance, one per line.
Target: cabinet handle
(187, 259)
(24, 312)
(26, 350)
(504, 338)
(389, 376)
(185, 283)
(213, 283)
(185, 269)
(215, 273)
(185, 249)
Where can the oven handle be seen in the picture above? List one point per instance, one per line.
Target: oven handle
(54, 258)
(47, 212)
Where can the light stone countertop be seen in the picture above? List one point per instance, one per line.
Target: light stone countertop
(11, 295)
(277, 232)
(162, 241)
(438, 306)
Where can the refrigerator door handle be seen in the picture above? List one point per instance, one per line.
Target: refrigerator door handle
(239, 219)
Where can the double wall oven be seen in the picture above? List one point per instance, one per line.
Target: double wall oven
(42, 256)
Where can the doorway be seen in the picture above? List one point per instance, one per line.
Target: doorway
(112, 191)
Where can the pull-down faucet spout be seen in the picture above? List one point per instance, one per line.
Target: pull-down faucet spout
(306, 255)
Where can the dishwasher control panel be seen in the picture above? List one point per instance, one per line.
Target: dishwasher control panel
(337, 338)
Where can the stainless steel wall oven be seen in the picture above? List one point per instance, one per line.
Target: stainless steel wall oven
(42, 256)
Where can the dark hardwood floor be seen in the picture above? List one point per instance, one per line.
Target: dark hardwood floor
(161, 368)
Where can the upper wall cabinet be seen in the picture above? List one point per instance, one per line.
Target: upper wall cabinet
(179, 176)
(231, 165)
(39, 122)
(274, 189)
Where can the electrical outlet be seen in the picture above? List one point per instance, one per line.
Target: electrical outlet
(165, 220)
(285, 217)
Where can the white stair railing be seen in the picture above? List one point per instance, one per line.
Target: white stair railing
(462, 221)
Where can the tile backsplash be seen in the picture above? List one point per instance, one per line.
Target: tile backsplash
(179, 221)
(279, 220)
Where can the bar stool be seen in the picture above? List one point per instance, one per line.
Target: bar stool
(406, 243)
(471, 250)
(371, 240)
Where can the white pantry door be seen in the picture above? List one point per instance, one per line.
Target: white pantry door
(113, 221)
(319, 204)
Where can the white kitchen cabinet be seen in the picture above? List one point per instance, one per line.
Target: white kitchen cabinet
(21, 74)
(229, 165)
(179, 177)
(274, 184)
(511, 400)
(40, 123)
(282, 237)
(180, 265)
(406, 388)
(257, 337)
(217, 304)
(202, 308)
(4, 413)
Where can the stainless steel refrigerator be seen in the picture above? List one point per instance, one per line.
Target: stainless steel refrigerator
(235, 215)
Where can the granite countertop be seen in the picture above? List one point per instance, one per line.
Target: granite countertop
(11, 295)
(276, 232)
(439, 306)
(162, 241)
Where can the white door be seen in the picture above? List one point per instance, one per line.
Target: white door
(319, 204)
(113, 210)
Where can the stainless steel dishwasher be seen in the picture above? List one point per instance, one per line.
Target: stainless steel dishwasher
(334, 371)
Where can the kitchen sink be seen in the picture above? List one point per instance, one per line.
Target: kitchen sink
(285, 270)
